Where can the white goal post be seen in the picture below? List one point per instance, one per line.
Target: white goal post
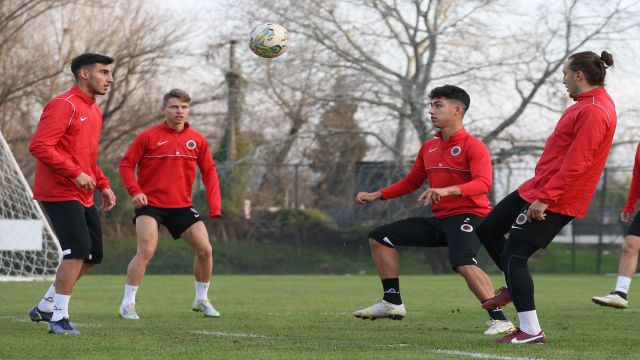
(29, 249)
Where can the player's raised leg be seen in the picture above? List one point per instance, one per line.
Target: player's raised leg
(147, 236)
(198, 238)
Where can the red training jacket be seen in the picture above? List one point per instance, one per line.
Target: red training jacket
(634, 190)
(166, 161)
(574, 155)
(65, 144)
(463, 160)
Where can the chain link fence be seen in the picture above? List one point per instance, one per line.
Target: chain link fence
(303, 218)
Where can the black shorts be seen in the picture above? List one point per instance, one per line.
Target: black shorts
(634, 228)
(510, 215)
(176, 220)
(77, 228)
(455, 232)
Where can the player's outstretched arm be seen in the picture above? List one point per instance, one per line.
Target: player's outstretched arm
(365, 197)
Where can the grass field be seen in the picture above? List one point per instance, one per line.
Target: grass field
(309, 317)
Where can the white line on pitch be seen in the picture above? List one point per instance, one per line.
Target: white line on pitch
(21, 319)
(14, 318)
(481, 355)
(218, 333)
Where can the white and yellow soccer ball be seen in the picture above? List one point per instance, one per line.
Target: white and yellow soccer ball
(268, 40)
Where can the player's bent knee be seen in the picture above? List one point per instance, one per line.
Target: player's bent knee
(205, 251)
(146, 254)
(631, 247)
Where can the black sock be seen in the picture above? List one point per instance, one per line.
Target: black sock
(496, 314)
(621, 294)
(391, 288)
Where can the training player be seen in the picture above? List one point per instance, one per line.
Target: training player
(65, 146)
(165, 157)
(458, 169)
(564, 182)
(629, 257)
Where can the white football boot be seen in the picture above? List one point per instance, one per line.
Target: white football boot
(612, 300)
(206, 308)
(129, 312)
(499, 327)
(382, 309)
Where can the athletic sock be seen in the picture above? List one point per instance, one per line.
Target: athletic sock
(497, 314)
(201, 290)
(46, 303)
(529, 322)
(622, 285)
(621, 294)
(391, 288)
(61, 308)
(130, 292)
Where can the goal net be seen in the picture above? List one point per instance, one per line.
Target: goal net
(29, 249)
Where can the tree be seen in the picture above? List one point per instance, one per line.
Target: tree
(557, 32)
(340, 144)
(398, 51)
(42, 38)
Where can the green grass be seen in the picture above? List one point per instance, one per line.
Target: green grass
(308, 317)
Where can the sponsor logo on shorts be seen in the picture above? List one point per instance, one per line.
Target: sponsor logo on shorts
(66, 252)
(466, 228)
(195, 212)
(456, 150)
(386, 239)
(191, 144)
(521, 219)
(475, 261)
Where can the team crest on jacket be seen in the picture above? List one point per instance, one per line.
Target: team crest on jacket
(521, 219)
(191, 144)
(466, 228)
(456, 150)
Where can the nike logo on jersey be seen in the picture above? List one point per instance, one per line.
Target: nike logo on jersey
(516, 227)
(162, 142)
(432, 150)
(84, 118)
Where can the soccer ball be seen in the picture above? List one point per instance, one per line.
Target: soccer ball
(268, 40)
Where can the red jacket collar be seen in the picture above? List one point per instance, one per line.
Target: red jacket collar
(459, 135)
(595, 92)
(86, 98)
(168, 128)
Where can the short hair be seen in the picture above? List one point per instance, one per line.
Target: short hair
(88, 59)
(176, 93)
(593, 67)
(451, 92)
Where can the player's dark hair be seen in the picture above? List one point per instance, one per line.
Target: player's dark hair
(88, 59)
(176, 93)
(593, 67)
(451, 92)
